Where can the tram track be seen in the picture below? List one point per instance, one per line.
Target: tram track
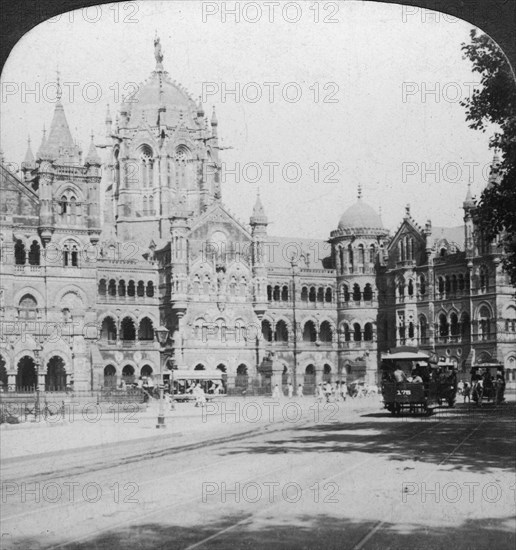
(262, 510)
(333, 477)
(185, 498)
(378, 526)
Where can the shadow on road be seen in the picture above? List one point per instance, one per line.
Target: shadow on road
(492, 444)
(303, 532)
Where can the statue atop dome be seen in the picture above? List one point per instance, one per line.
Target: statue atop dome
(158, 54)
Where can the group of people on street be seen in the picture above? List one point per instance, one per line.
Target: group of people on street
(323, 392)
(484, 384)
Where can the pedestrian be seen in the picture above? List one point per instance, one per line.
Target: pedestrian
(168, 400)
(327, 391)
(343, 391)
(300, 390)
(276, 392)
(319, 393)
(290, 391)
(202, 396)
(466, 392)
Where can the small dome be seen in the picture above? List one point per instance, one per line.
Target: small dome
(360, 215)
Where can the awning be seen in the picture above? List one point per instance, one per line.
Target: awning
(184, 374)
(405, 356)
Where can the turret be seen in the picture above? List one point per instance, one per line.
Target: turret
(259, 224)
(214, 125)
(93, 163)
(469, 206)
(41, 151)
(109, 123)
(92, 158)
(29, 162)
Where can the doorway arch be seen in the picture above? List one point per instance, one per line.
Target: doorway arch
(26, 377)
(55, 379)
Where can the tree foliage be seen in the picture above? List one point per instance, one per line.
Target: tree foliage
(494, 103)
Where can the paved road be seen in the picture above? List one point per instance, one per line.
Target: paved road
(349, 480)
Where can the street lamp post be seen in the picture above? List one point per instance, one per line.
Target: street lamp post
(293, 264)
(172, 402)
(162, 337)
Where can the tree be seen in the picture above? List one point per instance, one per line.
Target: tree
(494, 103)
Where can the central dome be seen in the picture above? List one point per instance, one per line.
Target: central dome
(360, 214)
(160, 90)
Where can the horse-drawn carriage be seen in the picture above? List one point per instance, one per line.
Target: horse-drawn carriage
(410, 381)
(487, 383)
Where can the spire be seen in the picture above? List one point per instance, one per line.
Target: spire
(200, 108)
(59, 91)
(60, 143)
(92, 158)
(258, 217)
(359, 191)
(29, 157)
(407, 211)
(43, 144)
(109, 122)
(468, 201)
(214, 121)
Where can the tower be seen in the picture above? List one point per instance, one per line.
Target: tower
(259, 222)
(164, 155)
(356, 246)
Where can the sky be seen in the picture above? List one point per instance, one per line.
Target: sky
(365, 94)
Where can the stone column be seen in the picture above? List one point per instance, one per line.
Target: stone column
(81, 361)
(11, 382)
(318, 373)
(41, 379)
(276, 374)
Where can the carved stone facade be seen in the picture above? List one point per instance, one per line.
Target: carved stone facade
(97, 253)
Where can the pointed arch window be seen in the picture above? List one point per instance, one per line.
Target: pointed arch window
(368, 292)
(410, 287)
(19, 253)
(422, 285)
(34, 253)
(361, 254)
(350, 258)
(70, 254)
(112, 287)
(146, 166)
(372, 254)
(484, 323)
(28, 307)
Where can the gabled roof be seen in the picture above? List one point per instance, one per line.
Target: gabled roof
(413, 227)
(217, 212)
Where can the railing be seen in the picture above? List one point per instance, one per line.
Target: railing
(111, 298)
